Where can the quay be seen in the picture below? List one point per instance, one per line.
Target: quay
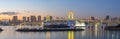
(39, 30)
(113, 27)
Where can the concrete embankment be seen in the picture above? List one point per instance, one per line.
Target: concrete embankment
(39, 30)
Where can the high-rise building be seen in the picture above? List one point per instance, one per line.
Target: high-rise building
(107, 17)
(92, 18)
(28, 19)
(70, 22)
(39, 18)
(15, 18)
(50, 17)
(33, 18)
(47, 18)
(44, 18)
(70, 15)
(24, 19)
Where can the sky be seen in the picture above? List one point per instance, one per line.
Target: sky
(81, 8)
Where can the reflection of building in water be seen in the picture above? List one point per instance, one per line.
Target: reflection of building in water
(70, 34)
(96, 26)
(47, 35)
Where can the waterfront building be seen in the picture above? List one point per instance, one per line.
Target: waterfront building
(92, 18)
(70, 15)
(107, 17)
(50, 17)
(15, 18)
(33, 18)
(70, 19)
(24, 19)
(44, 18)
(39, 18)
(28, 19)
(57, 18)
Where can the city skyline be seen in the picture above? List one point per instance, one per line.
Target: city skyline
(10, 16)
(81, 8)
(59, 19)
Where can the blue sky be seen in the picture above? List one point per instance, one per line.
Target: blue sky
(81, 8)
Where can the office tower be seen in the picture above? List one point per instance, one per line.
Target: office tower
(107, 17)
(44, 18)
(92, 18)
(50, 17)
(70, 15)
(28, 19)
(47, 18)
(15, 19)
(24, 19)
(70, 22)
(33, 18)
(39, 18)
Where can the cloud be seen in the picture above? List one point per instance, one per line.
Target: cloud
(9, 13)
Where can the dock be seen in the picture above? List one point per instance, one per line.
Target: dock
(39, 30)
(113, 27)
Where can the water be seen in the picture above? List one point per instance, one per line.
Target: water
(10, 33)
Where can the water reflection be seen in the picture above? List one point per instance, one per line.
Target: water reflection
(47, 35)
(70, 34)
(10, 33)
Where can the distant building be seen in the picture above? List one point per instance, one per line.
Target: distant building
(44, 18)
(50, 17)
(39, 18)
(28, 19)
(33, 18)
(62, 18)
(92, 18)
(70, 15)
(47, 18)
(15, 18)
(24, 19)
(5, 22)
(107, 17)
(57, 18)
(71, 18)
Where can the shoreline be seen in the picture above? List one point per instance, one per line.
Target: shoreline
(39, 30)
